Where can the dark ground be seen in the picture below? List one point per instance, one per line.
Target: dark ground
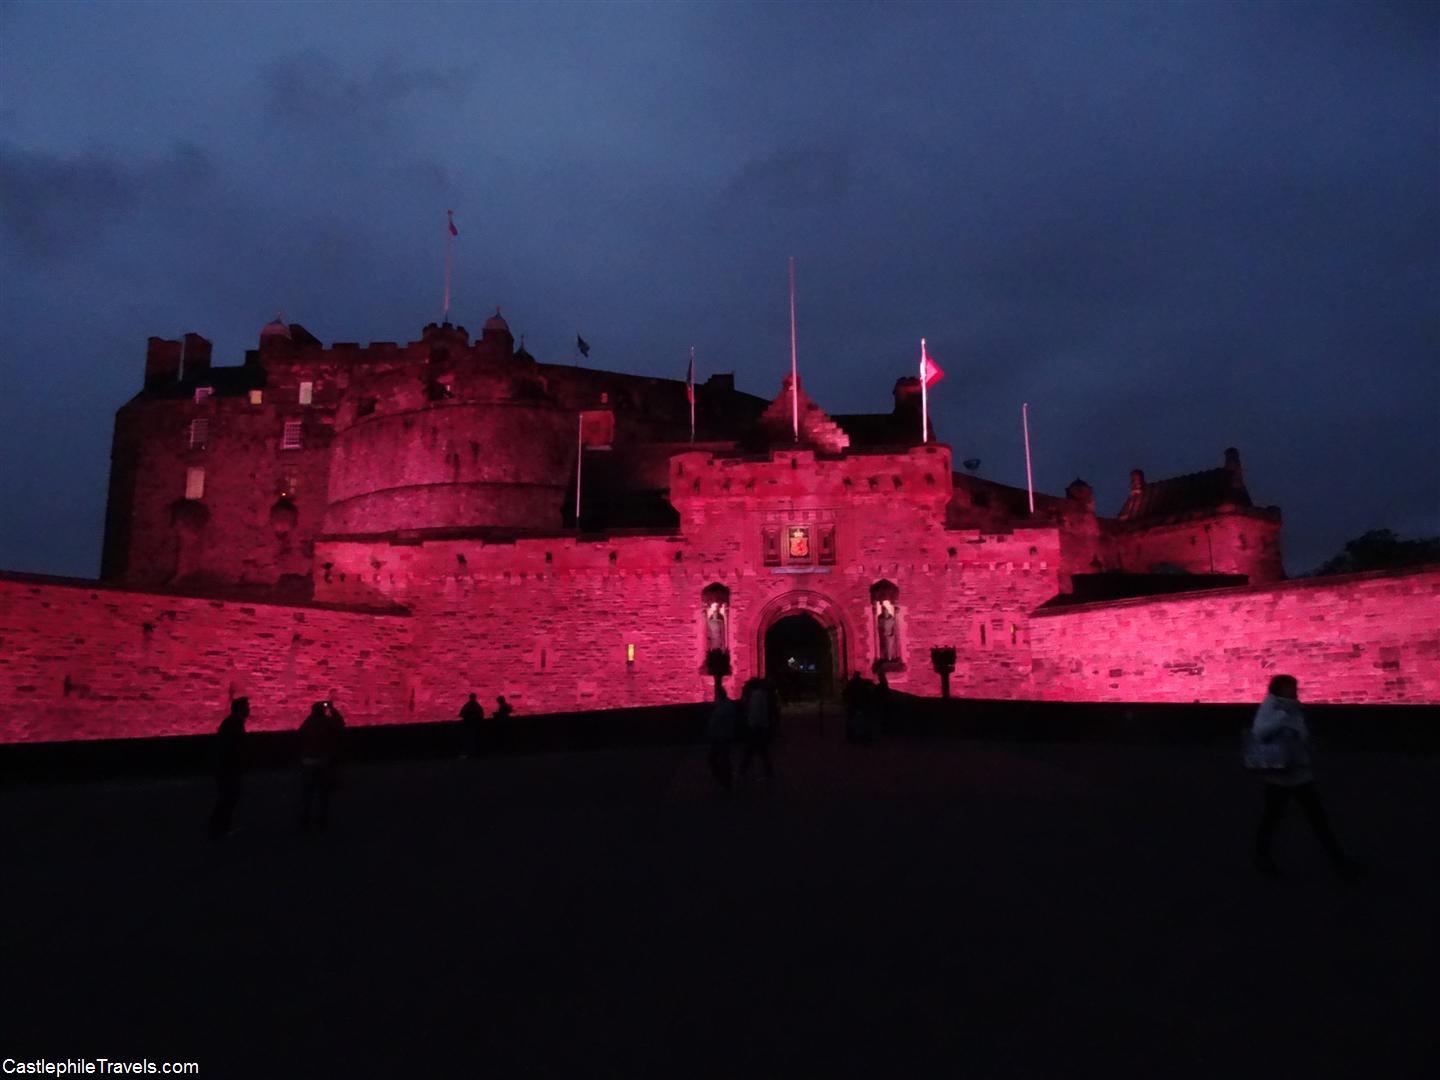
(924, 906)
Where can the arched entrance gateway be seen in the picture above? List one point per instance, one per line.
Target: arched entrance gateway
(802, 646)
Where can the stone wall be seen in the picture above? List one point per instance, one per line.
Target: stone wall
(1362, 638)
(549, 622)
(83, 661)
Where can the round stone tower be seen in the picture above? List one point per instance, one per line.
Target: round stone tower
(464, 437)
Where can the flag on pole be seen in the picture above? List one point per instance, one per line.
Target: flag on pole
(597, 429)
(690, 391)
(450, 219)
(930, 372)
(582, 345)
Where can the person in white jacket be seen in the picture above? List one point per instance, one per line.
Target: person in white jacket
(1280, 718)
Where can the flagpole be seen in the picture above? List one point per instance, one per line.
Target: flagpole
(691, 388)
(449, 240)
(579, 460)
(1029, 479)
(924, 397)
(794, 365)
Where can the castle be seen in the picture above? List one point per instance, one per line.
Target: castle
(399, 524)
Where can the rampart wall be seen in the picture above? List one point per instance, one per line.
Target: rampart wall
(82, 661)
(1363, 638)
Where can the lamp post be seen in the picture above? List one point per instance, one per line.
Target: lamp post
(942, 659)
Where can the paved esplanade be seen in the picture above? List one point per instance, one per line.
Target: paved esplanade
(964, 909)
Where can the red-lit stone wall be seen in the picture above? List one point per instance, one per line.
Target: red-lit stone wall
(1239, 542)
(1371, 638)
(547, 622)
(80, 661)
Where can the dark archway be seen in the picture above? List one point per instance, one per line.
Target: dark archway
(800, 658)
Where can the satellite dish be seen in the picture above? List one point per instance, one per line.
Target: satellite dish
(971, 463)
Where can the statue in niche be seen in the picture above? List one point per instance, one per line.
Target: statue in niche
(885, 630)
(715, 618)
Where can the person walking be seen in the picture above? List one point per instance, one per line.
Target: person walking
(855, 698)
(319, 761)
(229, 766)
(472, 716)
(758, 706)
(1279, 748)
(724, 719)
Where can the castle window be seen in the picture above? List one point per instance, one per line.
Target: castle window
(195, 483)
(256, 397)
(199, 435)
(292, 438)
(307, 393)
(827, 545)
(203, 392)
(771, 543)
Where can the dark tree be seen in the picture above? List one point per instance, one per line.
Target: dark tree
(1381, 549)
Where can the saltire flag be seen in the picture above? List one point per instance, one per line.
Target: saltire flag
(597, 428)
(450, 216)
(690, 380)
(582, 345)
(930, 372)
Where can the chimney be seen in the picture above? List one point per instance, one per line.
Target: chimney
(907, 395)
(1232, 461)
(722, 382)
(162, 361)
(197, 355)
(1137, 482)
(1081, 492)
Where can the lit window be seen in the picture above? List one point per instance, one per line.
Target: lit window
(203, 392)
(307, 392)
(256, 397)
(199, 436)
(292, 438)
(194, 483)
(629, 652)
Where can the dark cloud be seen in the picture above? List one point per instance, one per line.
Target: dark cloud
(310, 91)
(50, 204)
(791, 178)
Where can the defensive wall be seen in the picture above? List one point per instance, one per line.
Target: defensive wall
(80, 660)
(1361, 638)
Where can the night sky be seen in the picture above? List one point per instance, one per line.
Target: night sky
(1169, 227)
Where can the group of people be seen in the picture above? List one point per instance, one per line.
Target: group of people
(1278, 748)
(866, 706)
(320, 736)
(750, 722)
(472, 722)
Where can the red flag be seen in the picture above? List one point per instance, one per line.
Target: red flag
(597, 428)
(930, 372)
(450, 215)
(690, 380)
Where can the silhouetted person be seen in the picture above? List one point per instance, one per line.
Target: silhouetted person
(881, 702)
(319, 761)
(472, 715)
(503, 708)
(229, 766)
(855, 698)
(758, 705)
(1281, 719)
(723, 721)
